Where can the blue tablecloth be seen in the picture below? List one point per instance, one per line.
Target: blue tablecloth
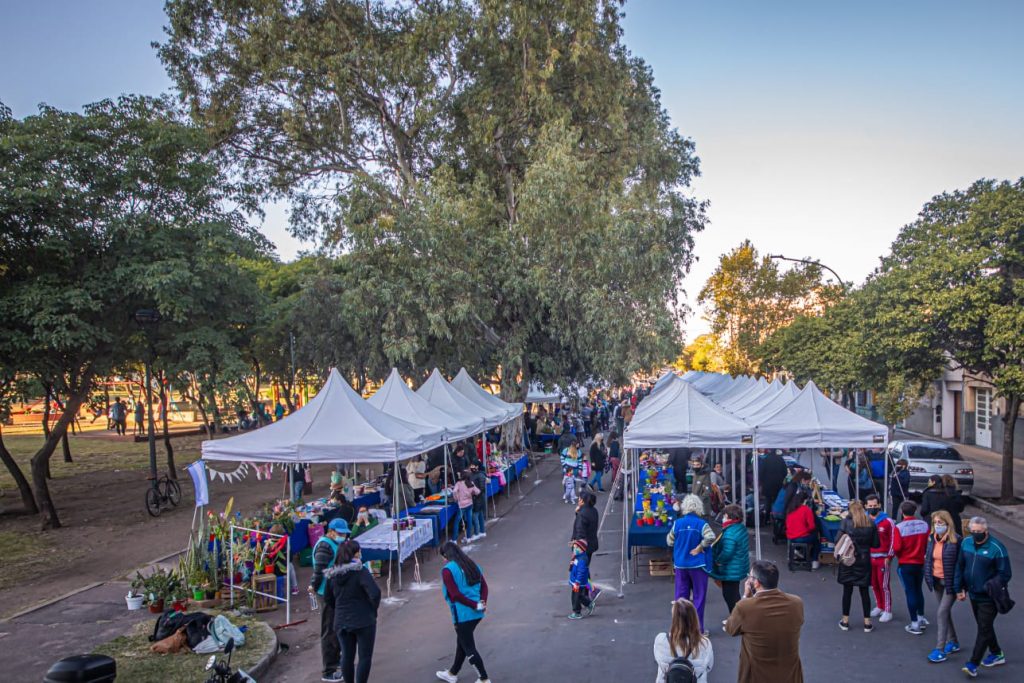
(441, 518)
(521, 464)
(300, 536)
(366, 500)
(651, 536)
(493, 487)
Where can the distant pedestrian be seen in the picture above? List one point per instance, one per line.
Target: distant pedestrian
(731, 556)
(465, 591)
(463, 492)
(940, 560)
(356, 598)
(119, 415)
(911, 540)
(691, 538)
(325, 551)
(479, 499)
(278, 411)
(881, 558)
(679, 459)
(568, 486)
(899, 486)
(140, 415)
(864, 534)
(298, 480)
(940, 495)
(769, 621)
(583, 594)
(684, 650)
(982, 574)
(614, 454)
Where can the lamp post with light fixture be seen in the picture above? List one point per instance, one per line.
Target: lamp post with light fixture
(780, 257)
(147, 319)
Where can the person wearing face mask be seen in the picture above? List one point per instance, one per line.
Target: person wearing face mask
(940, 560)
(899, 485)
(910, 541)
(881, 558)
(982, 573)
(731, 555)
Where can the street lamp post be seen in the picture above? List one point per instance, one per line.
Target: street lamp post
(147, 319)
(780, 257)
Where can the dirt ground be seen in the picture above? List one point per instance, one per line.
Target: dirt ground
(106, 531)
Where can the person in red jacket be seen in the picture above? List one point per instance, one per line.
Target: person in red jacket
(802, 525)
(910, 543)
(881, 556)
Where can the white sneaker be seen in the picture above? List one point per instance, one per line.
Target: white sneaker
(876, 611)
(922, 622)
(815, 565)
(483, 534)
(446, 676)
(886, 616)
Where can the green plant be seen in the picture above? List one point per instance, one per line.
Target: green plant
(158, 585)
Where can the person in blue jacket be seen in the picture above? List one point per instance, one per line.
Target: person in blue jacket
(982, 560)
(465, 591)
(691, 539)
(583, 593)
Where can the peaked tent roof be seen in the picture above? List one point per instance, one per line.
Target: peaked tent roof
(396, 399)
(337, 425)
(813, 420)
(735, 403)
(663, 381)
(537, 394)
(686, 418)
(468, 387)
(767, 405)
(443, 395)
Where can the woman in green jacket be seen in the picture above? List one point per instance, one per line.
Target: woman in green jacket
(731, 562)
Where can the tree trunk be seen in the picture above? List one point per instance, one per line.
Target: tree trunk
(288, 389)
(41, 460)
(66, 446)
(513, 392)
(1006, 494)
(46, 424)
(172, 472)
(27, 499)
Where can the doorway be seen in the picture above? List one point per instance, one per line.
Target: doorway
(983, 416)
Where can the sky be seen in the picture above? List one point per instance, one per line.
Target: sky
(822, 127)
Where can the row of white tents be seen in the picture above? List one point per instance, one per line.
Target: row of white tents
(396, 423)
(718, 411)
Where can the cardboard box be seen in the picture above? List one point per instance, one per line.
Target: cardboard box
(660, 567)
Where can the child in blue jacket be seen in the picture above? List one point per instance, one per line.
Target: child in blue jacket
(583, 592)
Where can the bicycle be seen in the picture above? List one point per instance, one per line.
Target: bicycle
(163, 490)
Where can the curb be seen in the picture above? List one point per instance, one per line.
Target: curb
(263, 665)
(995, 510)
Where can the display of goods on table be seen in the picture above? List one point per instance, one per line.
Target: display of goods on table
(655, 491)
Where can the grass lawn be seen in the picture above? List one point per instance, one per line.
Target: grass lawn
(136, 663)
(92, 453)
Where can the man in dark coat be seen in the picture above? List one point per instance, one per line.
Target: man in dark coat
(587, 523)
(679, 458)
(772, 472)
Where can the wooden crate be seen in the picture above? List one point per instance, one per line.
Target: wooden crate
(265, 583)
(661, 567)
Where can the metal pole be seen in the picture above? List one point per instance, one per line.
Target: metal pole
(885, 486)
(757, 504)
(743, 483)
(394, 507)
(288, 589)
(231, 562)
(151, 425)
(856, 460)
(447, 466)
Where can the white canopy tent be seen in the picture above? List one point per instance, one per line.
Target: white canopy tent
(739, 386)
(336, 426)
(537, 394)
(767, 405)
(396, 399)
(684, 418)
(737, 403)
(443, 395)
(813, 420)
(663, 381)
(468, 387)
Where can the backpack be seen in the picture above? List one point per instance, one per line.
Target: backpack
(680, 670)
(845, 551)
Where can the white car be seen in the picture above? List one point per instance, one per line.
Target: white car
(926, 458)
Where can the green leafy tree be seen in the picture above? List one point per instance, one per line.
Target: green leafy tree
(501, 172)
(958, 278)
(705, 354)
(118, 208)
(748, 298)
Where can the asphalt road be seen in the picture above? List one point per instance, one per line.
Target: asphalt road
(527, 637)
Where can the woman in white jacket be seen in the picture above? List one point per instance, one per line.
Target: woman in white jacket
(684, 639)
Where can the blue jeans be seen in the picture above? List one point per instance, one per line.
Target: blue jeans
(297, 487)
(595, 480)
(478, 517)
(911, 576)
(466, 518)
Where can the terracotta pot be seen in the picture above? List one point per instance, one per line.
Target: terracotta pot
(156, 607)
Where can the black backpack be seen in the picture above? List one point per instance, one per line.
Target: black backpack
(680, 670)
(194, 623)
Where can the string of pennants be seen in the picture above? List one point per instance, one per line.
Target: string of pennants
(263, 471)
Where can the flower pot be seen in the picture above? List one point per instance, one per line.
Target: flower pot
(134, 602)
(179, 605)
(198, 594)
(156, 606)
(211, 595)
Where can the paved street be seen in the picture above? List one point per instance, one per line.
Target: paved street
(526, 636)
(988, 465)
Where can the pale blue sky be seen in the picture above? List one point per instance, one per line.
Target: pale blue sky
(822, 126)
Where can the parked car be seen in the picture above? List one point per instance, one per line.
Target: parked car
(927, 458)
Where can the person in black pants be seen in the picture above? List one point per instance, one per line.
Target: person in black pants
(679, 458)
(586, 524)
(465, 591)
(864, 534)
(356, 597)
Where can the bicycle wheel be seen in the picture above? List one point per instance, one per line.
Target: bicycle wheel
(172, 491)
(153, 502)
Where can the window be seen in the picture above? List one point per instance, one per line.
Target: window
(923, 452)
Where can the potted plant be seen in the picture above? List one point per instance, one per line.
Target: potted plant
(155, 588)
(135, 598)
